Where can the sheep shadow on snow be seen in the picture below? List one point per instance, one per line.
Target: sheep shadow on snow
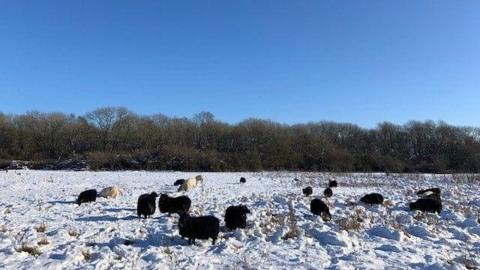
(62, 202)
(160, 239)
(117, 210)
(105, 218)
(153, 240)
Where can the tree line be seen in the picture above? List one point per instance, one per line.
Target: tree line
(116, 138)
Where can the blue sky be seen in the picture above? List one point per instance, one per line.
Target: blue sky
(291, 61)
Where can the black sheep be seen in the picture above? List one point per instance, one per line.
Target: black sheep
(427, 205)
(243, 180)
(179, 205)
(146, 204)
(179, 182)
(236, 217)
(332, 183)
(307, 191)
(319, 208)
(204, 227)
(87, 196)
(328, 192)
(372, 198)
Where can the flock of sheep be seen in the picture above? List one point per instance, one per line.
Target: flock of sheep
(206, 227)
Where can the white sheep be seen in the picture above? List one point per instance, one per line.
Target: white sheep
(111, 192)
(191, 183)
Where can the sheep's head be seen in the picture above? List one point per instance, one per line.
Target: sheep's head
(245, 210)
(154, 194)
(326, 216)
(413, 206)
(163, 197)
(182, 222)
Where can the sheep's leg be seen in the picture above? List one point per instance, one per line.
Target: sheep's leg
(214, 240)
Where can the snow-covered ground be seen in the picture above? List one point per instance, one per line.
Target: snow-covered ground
(41, 227)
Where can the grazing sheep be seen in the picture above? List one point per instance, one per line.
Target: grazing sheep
(87, 196)
(332, 183)
(146, 204)
(243, 180)
(328, 192)
(319, 208)
(236, 217)
(307, 191)
(179, 205)
(179, 182)
(204, 227)
(422, 192)
(191, 183)
(427, 205)
(431, 193)
(372, 198)
(110, 192)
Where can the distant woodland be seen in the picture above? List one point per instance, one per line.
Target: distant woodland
(118, 139)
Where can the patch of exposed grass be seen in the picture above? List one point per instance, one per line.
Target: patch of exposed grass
(32, 250)
(43, 242)
(41, 228)
(353, 222)
(73, 233)
(293, 231)
(87, 255)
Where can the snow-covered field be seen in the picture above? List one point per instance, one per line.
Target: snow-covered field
(41, 227)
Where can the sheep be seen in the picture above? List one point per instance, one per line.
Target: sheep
(372, 198)
(179, 182)
(87, 196)
(203, 227)
(328, 192)
(179, 205)
(243, 180)
(191, 183)
(236, 217)
(146, 204)
(307, 191)
(110, 192)
(431, 193)
(429, 190)
(427, 205)
(319, 208)
(332, 183)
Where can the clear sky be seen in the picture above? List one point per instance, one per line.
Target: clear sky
(291, 61)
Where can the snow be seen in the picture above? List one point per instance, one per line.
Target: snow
(37, 211)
